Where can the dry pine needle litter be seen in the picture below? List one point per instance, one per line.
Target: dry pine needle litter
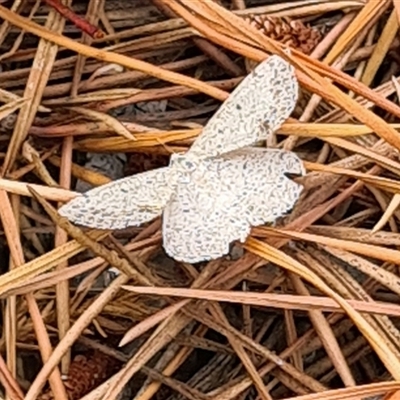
(214, 193)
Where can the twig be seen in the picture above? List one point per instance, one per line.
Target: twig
(79, 22)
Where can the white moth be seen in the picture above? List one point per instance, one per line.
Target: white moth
(212, 194)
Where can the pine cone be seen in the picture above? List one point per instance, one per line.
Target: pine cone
(85, 374)
(292, 33)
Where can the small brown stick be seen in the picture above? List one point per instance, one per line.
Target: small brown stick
(79, 22)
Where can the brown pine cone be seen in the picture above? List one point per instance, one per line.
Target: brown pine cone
(292, 33)
(85, 374)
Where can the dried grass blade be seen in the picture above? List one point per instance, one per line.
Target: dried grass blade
(327, 336)
(367, 14)
(110, 57)
(382, 47)
(392, 207)
(48, 193)
(73, 334)
(390, 185)
(33, 268)
(376, 341)
(273, 300)
(323, 130)
(142, 141)
(377, 252)
(385, 162)
(12, 234)
(150, 322)
(9, 383)
(108, 120)
(357, 393)
(95, 96)
(37, 80)
(10, 107)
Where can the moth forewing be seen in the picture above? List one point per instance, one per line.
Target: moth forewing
(255, 109)
(130, 201)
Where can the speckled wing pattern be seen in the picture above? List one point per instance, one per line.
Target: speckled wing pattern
(130, 201)
(214, 193)
(254, 110)
(225, 197)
